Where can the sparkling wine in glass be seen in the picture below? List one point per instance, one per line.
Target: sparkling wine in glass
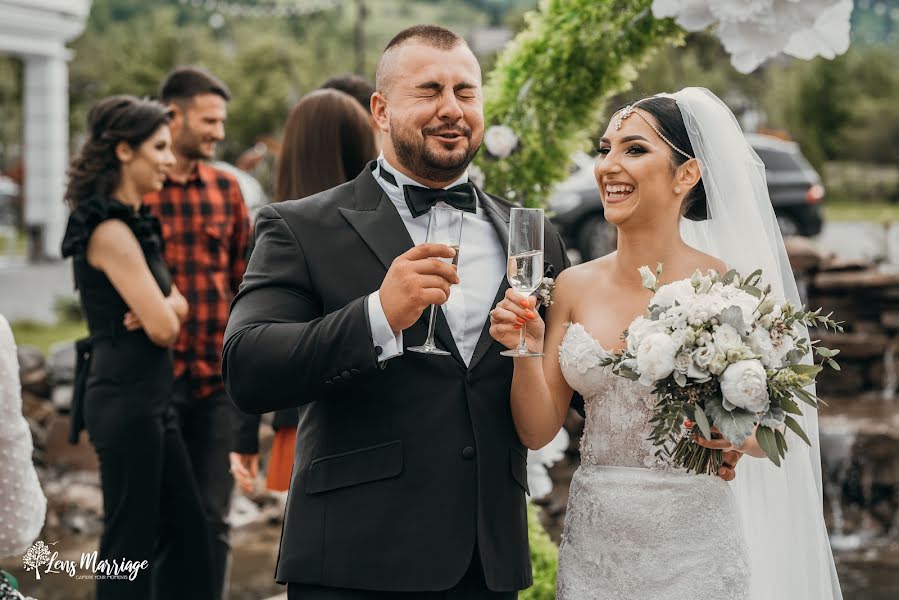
(525, 262)
(444, 227)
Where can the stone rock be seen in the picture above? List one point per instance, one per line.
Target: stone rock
(871, 278)
(36, 408)
(833, 262)
(33, 370)
(855, 345)
(851, 379)
(61, 397)
(803, 253)
(889, 319)
(65, 457)
(61, 362)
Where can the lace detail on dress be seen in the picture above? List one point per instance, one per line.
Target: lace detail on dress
(623, 538)
(618, 410)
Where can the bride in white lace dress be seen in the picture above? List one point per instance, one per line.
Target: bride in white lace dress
(637, 529)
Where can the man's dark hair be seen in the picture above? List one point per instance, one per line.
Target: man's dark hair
(184, 83)
(358, 87)
(429, 35)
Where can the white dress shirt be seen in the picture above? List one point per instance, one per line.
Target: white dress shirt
(481, 267)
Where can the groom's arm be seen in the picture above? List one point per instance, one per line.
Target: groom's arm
(280, 350)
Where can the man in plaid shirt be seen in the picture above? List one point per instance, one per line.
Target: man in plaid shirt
(207, 229)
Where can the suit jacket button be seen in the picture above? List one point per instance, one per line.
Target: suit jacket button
(468, 452)
(379, 351)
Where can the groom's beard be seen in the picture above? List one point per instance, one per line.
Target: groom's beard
(413, 152)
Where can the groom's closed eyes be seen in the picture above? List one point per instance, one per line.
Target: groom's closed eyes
(464, 90)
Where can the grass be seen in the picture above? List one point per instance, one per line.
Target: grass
(872, 212)
(43, 336)
(17, 246)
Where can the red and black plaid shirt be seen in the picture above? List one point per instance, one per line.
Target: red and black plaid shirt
(207, 230)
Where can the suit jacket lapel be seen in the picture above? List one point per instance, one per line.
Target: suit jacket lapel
(375, 219)
(499, 217)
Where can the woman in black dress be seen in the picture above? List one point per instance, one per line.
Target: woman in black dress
(125, 376)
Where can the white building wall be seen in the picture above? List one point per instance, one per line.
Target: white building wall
(38, 31)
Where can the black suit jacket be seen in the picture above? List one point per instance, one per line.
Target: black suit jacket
(400, 467)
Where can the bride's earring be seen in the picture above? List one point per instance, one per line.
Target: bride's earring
(677, 190)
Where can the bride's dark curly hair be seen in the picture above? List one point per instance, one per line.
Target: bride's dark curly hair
(671, 124)
(95, 171)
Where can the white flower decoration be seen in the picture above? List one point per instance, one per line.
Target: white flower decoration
(753, 31)
(500, 141)
(744, 385)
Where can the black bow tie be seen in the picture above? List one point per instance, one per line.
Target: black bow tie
(421, 199)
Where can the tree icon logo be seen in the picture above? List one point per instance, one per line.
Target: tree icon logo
(37, 556)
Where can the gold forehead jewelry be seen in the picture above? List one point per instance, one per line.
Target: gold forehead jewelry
(630, 109)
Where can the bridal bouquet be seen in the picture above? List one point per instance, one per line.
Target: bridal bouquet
(720, 352)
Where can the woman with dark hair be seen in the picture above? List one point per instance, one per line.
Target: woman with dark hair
(680, 182)
(328, 140)
(124, 374)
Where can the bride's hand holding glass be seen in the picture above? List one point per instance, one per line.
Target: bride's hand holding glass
(510, 315)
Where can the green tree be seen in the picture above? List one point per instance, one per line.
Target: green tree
(551, 84)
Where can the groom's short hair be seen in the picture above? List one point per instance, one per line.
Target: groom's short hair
(429, 35)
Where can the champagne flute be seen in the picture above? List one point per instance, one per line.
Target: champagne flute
(444, 227)
(525, 266)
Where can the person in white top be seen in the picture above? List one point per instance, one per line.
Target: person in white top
(23, 505)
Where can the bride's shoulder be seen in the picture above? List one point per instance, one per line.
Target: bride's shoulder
(586, 273)
(705, 262)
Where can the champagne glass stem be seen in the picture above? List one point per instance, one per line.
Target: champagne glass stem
(522, 346)
(431, 320)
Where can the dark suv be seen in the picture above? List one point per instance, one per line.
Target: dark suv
(794, 186)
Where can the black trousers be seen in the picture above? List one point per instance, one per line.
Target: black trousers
(207, 428)
(148, 493)
(471, 587)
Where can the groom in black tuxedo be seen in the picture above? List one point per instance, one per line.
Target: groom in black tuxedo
(409, 479)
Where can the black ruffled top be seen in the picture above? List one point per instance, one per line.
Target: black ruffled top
(90, 213)
(103, 307)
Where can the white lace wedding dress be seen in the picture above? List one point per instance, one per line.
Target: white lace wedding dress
(636, 529)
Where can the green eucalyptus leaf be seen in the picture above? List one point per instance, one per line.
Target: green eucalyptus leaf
(733, 316)
(781, 442)
(773, 418)
(794, 426)
(703, 422)
(768, 443)
(735, 425)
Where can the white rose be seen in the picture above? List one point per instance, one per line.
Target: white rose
(787, 344)
(760, 342)
(719, 364)
(655, 358)
(679, 337)
(639, 329)
(682, 362)
(500, 140)
(745, 385)
(648, 277)
(680, 290)
(726, 338)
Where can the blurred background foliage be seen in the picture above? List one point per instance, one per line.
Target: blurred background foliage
(842, 111)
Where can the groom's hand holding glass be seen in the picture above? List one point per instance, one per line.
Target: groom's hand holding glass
(510, 315)
(416, 280)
